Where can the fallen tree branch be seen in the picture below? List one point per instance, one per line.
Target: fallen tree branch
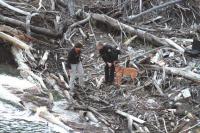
(173, 44)
(28, 22)
(128, 116)
(132, 17)
(185, 72)
(22, 66)
(93, 110)
(38, 30)
(15, 41)
(20, 35)
(14, 8)
(44, 113)
(83, 34)
(80, 22)
(126, 28)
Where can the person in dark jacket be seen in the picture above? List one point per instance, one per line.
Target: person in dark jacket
(75, 65)
(109, 55)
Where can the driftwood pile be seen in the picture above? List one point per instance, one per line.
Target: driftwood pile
(153, 35)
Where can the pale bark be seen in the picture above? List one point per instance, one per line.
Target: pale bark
(15, 41)
(126, 28)
(14, 8)
(130, 117)
(38, 30)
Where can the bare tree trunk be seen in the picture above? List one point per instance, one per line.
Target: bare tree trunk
(71, 6)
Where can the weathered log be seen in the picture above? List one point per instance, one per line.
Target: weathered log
(22, 66)
(173, 44)
(44, 113)
(10, 98)
(185, 72)
(132, 17)
(128, 116)
(15, 41)
(83, 34)
(130, 125)
(139, 128)
(126, 28)
(63, 85)
(80, 22)
(38, 30)
(14, 8)
(19, 34)
(65, 71)
(28, 22)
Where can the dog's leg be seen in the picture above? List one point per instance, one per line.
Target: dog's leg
(134, 75)
(118, 80)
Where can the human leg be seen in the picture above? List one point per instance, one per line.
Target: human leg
(72, 76)
(80, 71)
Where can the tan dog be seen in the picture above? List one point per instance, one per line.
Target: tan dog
(121, 71)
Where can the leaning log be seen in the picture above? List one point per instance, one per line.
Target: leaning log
(38, 30)
(126, 28)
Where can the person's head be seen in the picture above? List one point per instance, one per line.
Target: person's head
(99, 45)
(78, 47)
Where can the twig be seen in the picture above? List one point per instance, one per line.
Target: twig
(190, 128)
(113, 40)
(130, 116)
(164, 125)
(40, 5)
(130, 18)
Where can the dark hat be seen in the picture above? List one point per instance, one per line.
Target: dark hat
(195, 48)
(78, 45)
